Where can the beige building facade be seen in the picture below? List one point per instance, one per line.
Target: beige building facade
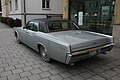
(5, 10)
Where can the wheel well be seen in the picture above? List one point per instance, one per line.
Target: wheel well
(15, 33)
(39, 46)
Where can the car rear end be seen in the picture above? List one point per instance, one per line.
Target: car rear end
(87, 53)
(80, 53)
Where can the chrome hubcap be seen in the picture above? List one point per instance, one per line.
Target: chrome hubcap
(44, 54)
(17, 38)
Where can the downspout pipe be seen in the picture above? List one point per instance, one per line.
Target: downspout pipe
(24, 12)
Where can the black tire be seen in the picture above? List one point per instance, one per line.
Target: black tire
(17, 39)
(44, 54)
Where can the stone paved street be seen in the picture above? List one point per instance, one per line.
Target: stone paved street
(19, 62)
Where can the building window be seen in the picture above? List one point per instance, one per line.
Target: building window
(16, 4)
(10, 6)
(46, 4)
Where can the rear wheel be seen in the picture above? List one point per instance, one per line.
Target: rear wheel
(44, 54)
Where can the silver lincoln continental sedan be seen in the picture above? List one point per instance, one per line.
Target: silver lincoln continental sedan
(62, 40)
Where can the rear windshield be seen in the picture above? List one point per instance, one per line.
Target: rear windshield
(54, 26)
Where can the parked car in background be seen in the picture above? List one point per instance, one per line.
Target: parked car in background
(62, 40)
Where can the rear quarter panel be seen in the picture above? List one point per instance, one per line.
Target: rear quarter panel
(56, 49)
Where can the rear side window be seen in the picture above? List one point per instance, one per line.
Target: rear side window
(41, 27)
(61, 26)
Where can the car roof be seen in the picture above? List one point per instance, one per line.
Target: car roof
(47, 20)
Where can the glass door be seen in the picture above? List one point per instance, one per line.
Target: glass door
(93, 15)
(73, 10)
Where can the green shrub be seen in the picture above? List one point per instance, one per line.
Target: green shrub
(0, 18)
(17, 23)
(10, 22)
(4, 20)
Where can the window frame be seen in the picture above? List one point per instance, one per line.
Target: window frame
(27, 25)
(46, 7)
(16, 4)
(10, 4)
(33, 23)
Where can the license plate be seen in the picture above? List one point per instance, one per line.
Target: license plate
(94, 52)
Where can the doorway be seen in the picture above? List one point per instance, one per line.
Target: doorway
(93, 15)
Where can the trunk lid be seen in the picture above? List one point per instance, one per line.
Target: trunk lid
(80, 39)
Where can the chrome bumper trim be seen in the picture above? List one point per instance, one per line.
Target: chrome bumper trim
(92, 49)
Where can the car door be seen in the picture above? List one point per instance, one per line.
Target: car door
(25, 33)
(31, 32)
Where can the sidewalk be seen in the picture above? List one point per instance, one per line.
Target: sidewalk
(3, 26)
(6, 33)
(19, 62)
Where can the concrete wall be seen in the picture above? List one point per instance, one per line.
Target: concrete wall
(35, 6)
(15, 13)
(29, 17)
(34, 9)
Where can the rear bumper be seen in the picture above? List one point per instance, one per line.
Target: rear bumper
(83, 54)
